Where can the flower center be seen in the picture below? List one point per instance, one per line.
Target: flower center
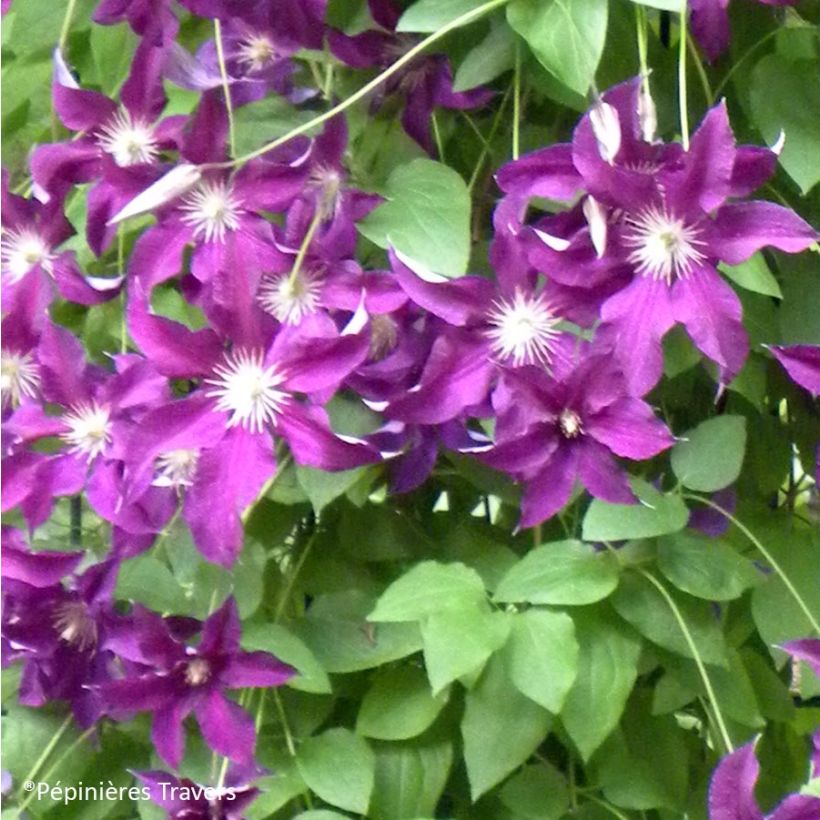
(130, 142)
(89, 430)
(664, 247)
(176, 468)
(248, 390)
(19, 377)
(570, 423)
(329, 182)
(256, 51)
(384, 334)
(211, 210)
(290, 298)
(197, 672)
(22, 250)
(75, 625)
(523, 329)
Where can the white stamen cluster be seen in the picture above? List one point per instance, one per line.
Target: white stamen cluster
(197, 672)
(176, 468)
(19, 377)
(212, 210)
(248, 390)
(523, 329)
(129, 141)
(290, 298)
(22, 250)
(384, 333)
(570, 424)
(256, 51)
(75, 625)
(89, 429)
(665, 247)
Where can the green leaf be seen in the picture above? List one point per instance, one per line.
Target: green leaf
(426, 217)
(501, 729)
(260, 122)
(641, 603)
(148, 581)
(458, 642)
(337, 631)
(487, 60)
(785, 96)
(541, 656)
(537, 792)
(567, 36)
(710, 456)
(431, 15)
(399, 705)
(112, 48)
(427, 588)
(340, 768)
(607, 670)
(564, 572)
(754, 274)
(655, 514)
(323, 487)
(410, 778)
(705, 567)
(282, 643)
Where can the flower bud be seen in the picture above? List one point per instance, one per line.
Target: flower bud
(595, 214)
(647, 113)
(167, 188)
(607, 129)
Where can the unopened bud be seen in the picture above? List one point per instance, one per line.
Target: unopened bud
(62, 74)
(167, 188)
(647, 113)
(607, 129)
(595, 214)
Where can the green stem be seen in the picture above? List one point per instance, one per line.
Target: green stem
(682, 96)
(606, 805)
(765, 553)
(226, 90)
(437, 137)
(707, 683)
(49, 748)
(516, 134)
(728, 76)
(283, 599)
(66, 27)
(303, 248)
(641, 35)
(487, 145)
(704, 79)
(266, 488)
(407, 57)
(288, 736)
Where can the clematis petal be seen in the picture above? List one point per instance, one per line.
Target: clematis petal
(601, 475)
(226, 727)
(168, 732)
(743, 228)
(255, 669)
(550, 489)
(731, 792)
(802, 363)
(630, 429)
(38, 569)
(806, 649)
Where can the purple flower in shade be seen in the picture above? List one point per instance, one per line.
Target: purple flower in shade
(493, 326)
(32, 234)
(95, 405)
(151, 19)
(731, 792)
(215, 445)
(193, 679)
(709, 20)
(57, 631)
(802, 363)
(424, 84)
(552, 431)
(669, 219)
(185, 800)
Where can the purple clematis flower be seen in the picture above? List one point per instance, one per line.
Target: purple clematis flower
(802, 363)
(426, 83)
(58, 631)
(151, 19)
(185, 800)
(731, 792)
(217, 441)
(709, 20)
(188, 679)
(33, 232)
(552, 431)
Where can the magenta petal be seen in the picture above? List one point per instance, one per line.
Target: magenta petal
(82, 110)
(731, 792)
(601, 475)
(38, 569)
(802, 363)
(806, 649)
(637, 318)
(797, 807)
(711, 312)
(314, 444)
(753, 166)
(548, 172)
(62, 364)
(255, 669)
(710, 26)
(547, 493)
(522, 456)
(226, 727)
(229, 477)
(221, 631)
(144, 693)
(168, 733)
(324, 363)
(630, 429)
(742, 228)
(157, 255)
